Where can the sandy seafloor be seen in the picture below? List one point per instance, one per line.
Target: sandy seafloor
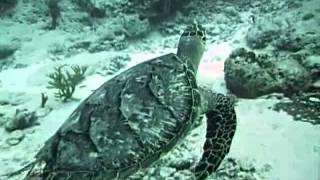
(278, 147)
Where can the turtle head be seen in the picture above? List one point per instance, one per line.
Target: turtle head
(192, 44)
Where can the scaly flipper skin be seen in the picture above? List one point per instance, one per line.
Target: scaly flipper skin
(221, 126)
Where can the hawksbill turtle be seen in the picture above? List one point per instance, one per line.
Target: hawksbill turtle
(130, 121)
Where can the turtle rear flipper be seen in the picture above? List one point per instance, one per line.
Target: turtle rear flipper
(221, 126)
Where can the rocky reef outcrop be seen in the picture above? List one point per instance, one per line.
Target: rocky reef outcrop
(251, 75)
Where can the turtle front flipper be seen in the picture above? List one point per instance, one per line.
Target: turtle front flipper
(221, 126)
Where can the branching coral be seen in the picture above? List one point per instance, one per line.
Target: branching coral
(64, 81)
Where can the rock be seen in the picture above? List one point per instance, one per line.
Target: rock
(292, 76)
(312, 64)
(7, 49)
(93, 8)
(169, 28)
(231, 11)
(112, 65)
(157, 10)
(307, 16)
(183, 175)
(15, 137)
(59, 49)
(229, 168)
(302, 107)
(134, 27)
(316, 84)
(246, 166)
(119, 43)
(22, 119)
(6, 5)
(237, 169)
(249, 75)
(3, 119)
(266, 168)
(288, 42)
(245, 78)
(246, 176)
(42, 112)
(181, 165)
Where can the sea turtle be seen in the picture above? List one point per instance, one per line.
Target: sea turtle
(137, 116)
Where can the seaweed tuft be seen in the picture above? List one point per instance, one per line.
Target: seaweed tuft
(65, 81)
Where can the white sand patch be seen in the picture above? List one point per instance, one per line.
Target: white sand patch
(16, 79)
(269, 137)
